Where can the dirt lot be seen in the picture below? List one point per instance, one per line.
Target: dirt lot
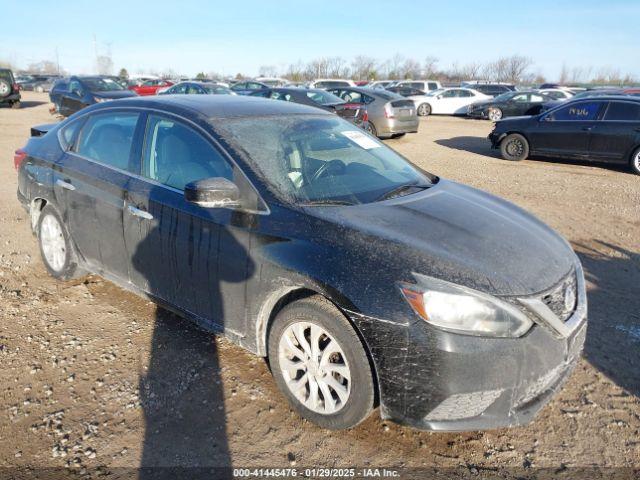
(93, 376)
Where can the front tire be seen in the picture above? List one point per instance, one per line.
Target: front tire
(16, 105)
(320, 365)
(635, 162)
(494, 114)
(56, 248)
(514, 147)
(424, 110)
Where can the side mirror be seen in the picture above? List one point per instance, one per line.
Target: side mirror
(77, 92)
(439, 97)
(216, 192)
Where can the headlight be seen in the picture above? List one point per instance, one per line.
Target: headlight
(464, 310)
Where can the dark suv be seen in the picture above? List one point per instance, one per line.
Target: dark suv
(9, 90)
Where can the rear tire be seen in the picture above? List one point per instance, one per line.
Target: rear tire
(56, 247)
(371, 129)
(514, 147)
(424, 110)
(320, 365)
(16, 104)
(5, 88)
(635, 162)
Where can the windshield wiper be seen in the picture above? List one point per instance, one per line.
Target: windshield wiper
(401, 191)
(327, 201)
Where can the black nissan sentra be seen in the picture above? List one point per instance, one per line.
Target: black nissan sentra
(364, 280)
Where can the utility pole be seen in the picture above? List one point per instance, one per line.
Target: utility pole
(57, 61)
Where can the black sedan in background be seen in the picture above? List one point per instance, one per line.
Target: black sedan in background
(248, 87)
(510, 104)
(363, 279)
(196, 88)
(316, 97)
(605, 129)
(72, 94)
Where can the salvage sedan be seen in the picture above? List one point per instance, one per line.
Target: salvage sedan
(364, 280)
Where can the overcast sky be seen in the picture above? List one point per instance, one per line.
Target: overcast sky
(240, 36)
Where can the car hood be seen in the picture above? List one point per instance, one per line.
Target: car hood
(115, 94)
(459, 234)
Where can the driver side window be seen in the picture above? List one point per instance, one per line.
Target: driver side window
(176, 155)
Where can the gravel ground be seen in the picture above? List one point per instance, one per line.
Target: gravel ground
(96, 378)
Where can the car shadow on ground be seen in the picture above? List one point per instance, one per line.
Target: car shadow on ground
(183, 402)
(613, 335)
(478, 145)
(25, 104)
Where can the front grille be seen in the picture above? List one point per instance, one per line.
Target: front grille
(562, 298)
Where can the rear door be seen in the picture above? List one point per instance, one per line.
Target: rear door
(566, 131)
(92, 179)
(71, 100)
(615, 136)
(192, 257)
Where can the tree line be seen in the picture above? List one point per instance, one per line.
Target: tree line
(517, 69)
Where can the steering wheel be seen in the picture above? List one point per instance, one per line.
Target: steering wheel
(337, 165)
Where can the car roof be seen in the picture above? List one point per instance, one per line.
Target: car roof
(218, 106)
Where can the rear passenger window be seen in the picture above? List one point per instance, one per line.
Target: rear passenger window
(622, 111)
(68, 134)
(176, 155)
(107, 138)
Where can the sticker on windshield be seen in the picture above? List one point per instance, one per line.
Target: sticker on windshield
(361, 139)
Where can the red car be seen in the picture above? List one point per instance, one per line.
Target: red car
(150, 87)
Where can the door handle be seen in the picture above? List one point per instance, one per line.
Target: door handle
(136, 212)
(65, 185)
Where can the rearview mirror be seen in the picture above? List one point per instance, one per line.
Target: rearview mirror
(216, 192)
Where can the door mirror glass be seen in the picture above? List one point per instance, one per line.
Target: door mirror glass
(216, 192)
(77, 92)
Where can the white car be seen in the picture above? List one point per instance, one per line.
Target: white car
(325, 83)
(556, 93)
(424, 85)
(447, 101)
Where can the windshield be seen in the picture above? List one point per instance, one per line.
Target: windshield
(307, 159)
(324, 98)
(101, 84)
(217, 89)
(505, 96)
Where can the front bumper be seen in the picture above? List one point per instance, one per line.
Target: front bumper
(436, 380)
(482, 114)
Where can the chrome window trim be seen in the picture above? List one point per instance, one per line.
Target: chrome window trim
(143, 178)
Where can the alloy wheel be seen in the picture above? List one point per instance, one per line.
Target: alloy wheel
(636, 161)
(314, 367)
(495, 114)
(53, 242)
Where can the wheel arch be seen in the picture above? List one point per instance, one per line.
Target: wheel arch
(286, 296)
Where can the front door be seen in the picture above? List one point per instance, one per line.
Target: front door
(192, 257)
(566, 131)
